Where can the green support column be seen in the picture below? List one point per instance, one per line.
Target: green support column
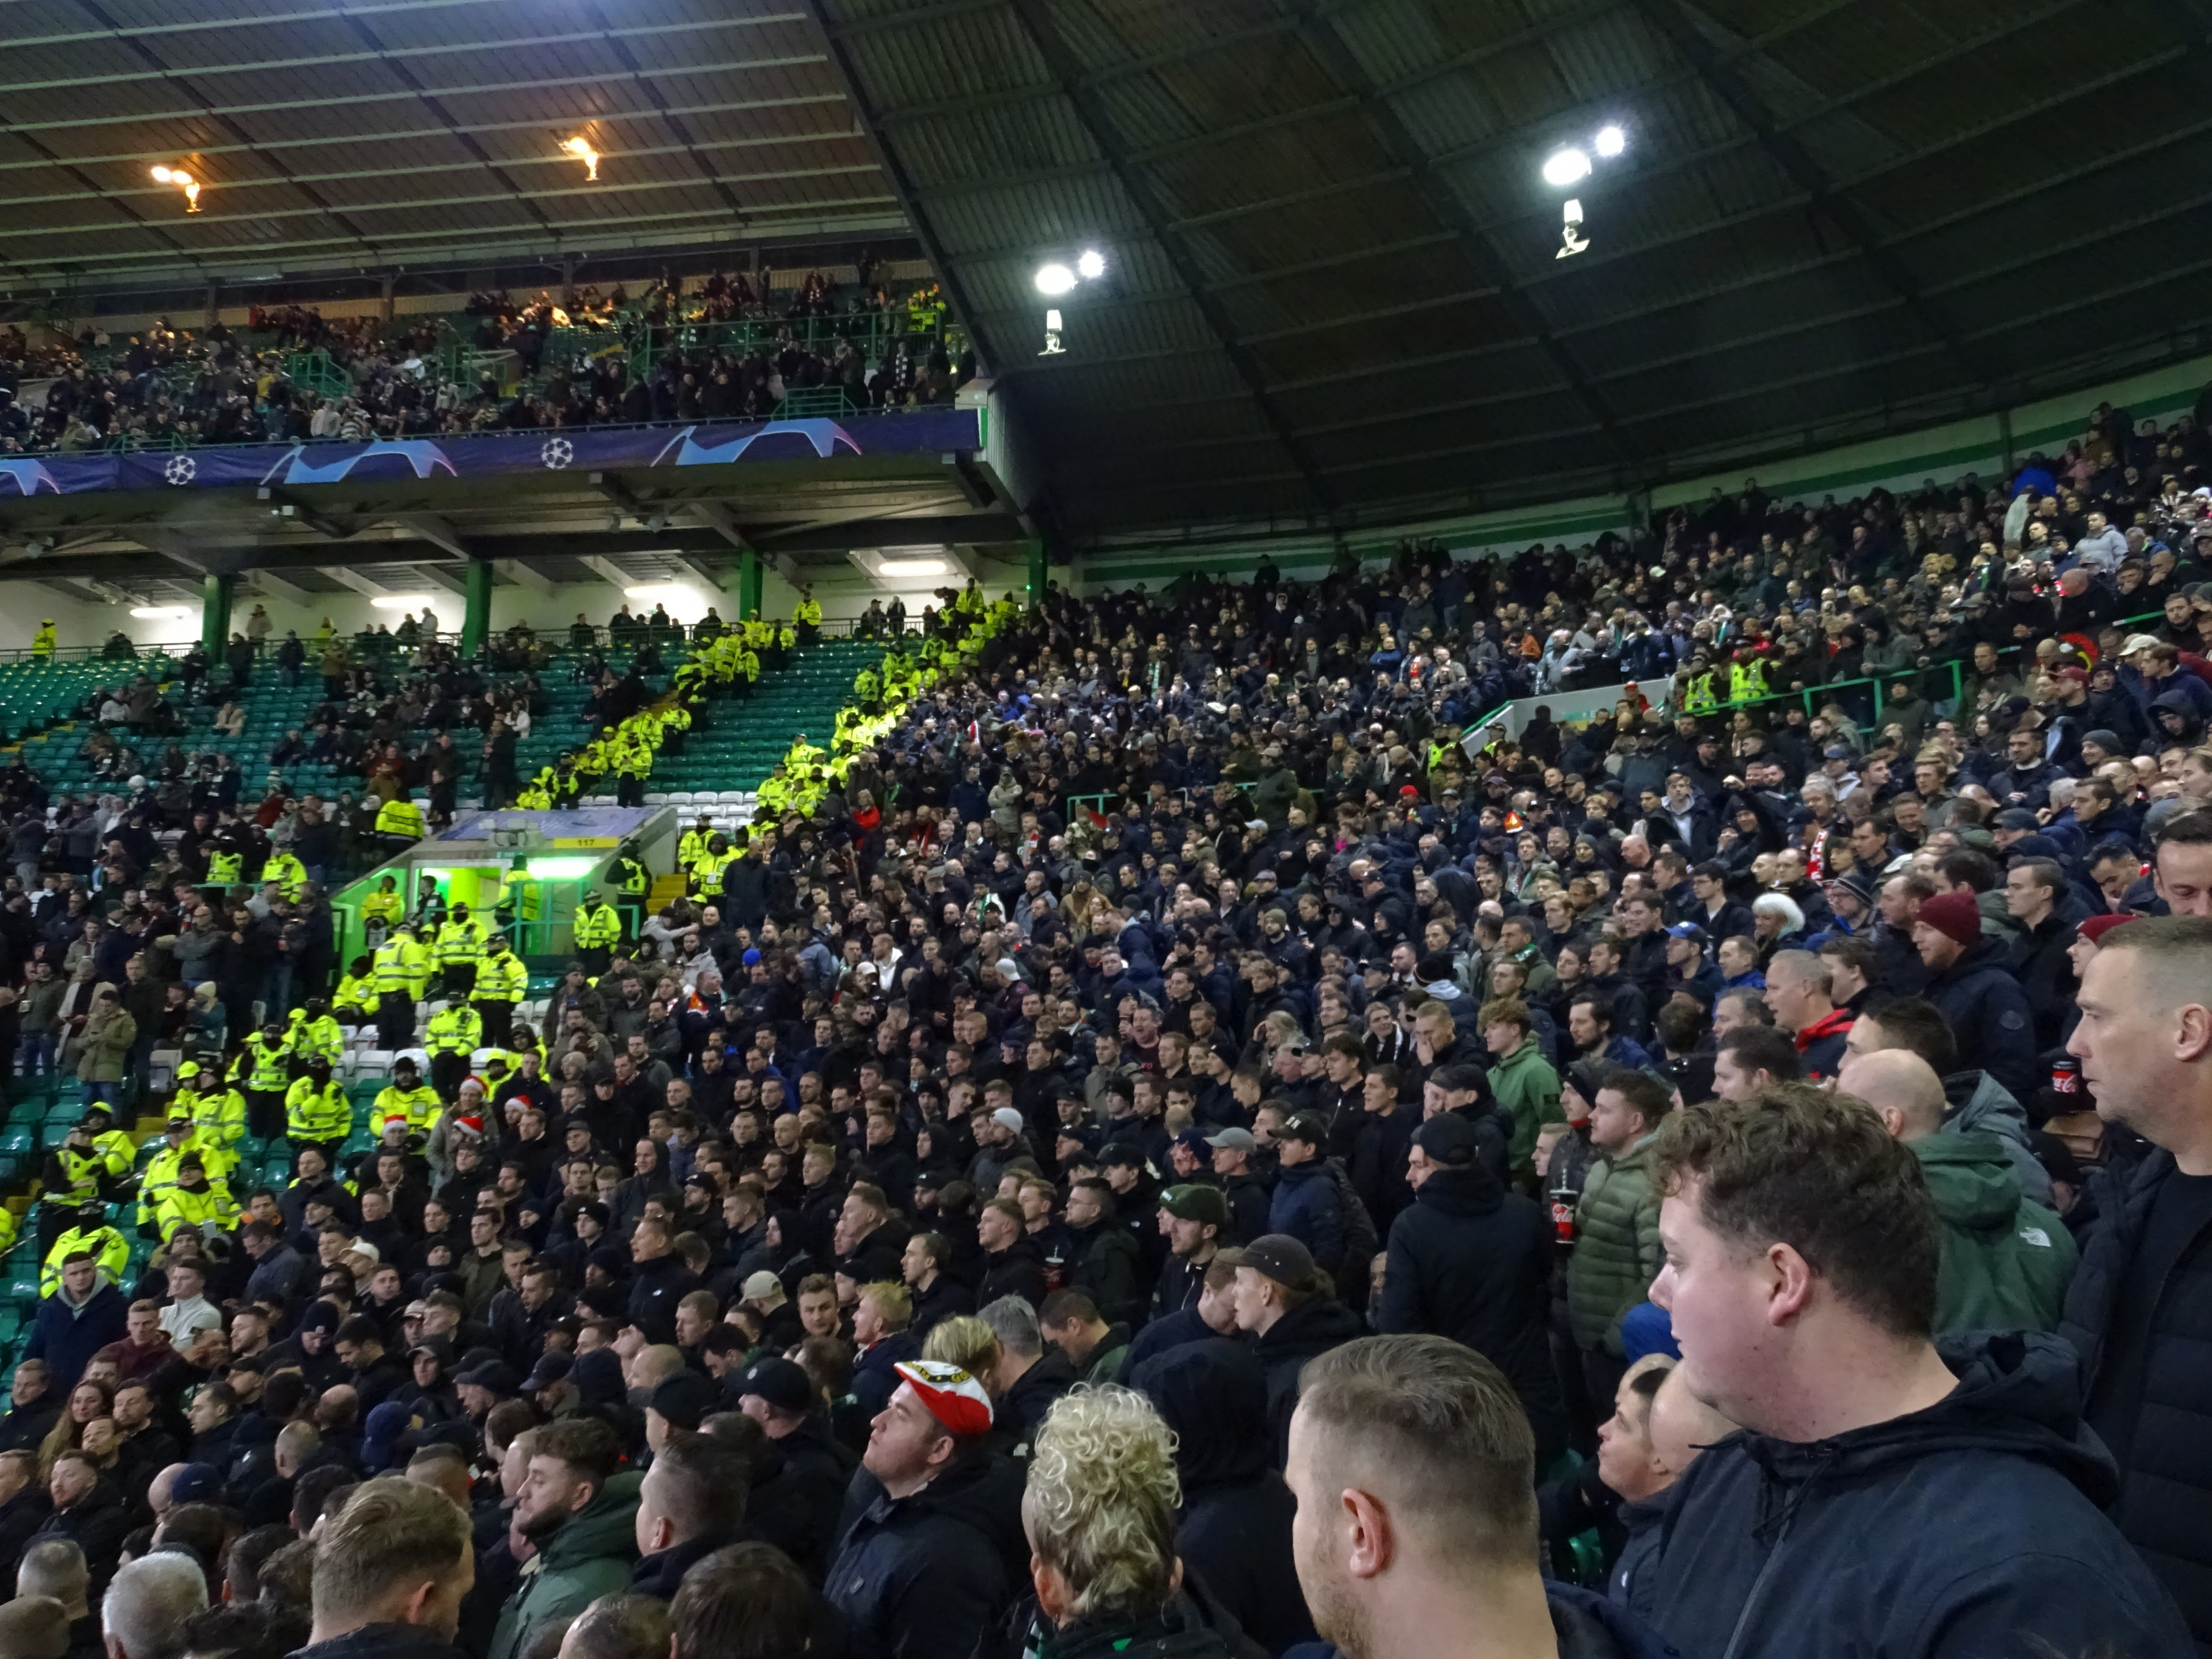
(476, 615)
(748, 585)
(1039, 568)
(214, 612)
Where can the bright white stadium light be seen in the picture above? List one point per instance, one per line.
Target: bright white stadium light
(1611, 141)
(158, 612)
(911, 567)
(398, 601)
(1054, 279)
(1566, 167)
(656, 591)
(1091, 265)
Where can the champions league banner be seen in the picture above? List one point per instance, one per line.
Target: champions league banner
(933, 431)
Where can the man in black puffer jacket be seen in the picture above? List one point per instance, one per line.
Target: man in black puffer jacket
(1472, 1261)
(2140, 1312)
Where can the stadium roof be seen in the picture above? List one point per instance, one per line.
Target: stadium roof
(1332, 295)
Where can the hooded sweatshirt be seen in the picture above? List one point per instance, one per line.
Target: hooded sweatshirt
(1235, 1533)
(2006, 1263)
(1970, 1528)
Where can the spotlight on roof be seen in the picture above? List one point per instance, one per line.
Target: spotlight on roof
(1566, 167)
(183, 181)
(1091, 265)
(1054, 279)
(1611, 141)
(580, 148)
(158, 612)
(399, 601)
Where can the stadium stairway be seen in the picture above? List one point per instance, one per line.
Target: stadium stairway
(723, 765)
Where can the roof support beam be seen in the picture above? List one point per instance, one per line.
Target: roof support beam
(522, 575)
(1320, 33)
(1061, 57)
(608, 568)
(435, 529)
(700, 568)
(353, 579)
(1668, 19)
(724, 523)
(269, 582)
(438, 576)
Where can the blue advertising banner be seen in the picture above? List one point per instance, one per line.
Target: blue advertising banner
(930, 431)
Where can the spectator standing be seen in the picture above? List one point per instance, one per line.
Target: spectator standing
(1939, 1503)
(1616, 1252)
(2139, 1314)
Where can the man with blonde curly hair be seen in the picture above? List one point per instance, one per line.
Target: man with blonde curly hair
(1100, 1514)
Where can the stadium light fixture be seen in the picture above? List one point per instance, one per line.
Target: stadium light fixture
(662, 590)
(1566, 167)
(158, 612)
(1610, 141)
(1091, 265)
(1054, 279)
(398, 601)
(911, 567)
(183, 181)
(580, 148)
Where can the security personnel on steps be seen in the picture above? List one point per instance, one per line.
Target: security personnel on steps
(407, 1098)
(502, 980)
(161, 1171)
(197, 1201)
(92, 1233)
(315, 1034)
(393, 969)
(631, 881)
(460, 947)
(217, 1111)
(399, 822)
(597, 930)
(71, 1180)
(288, 873)
(317, 1112)
(264, 1067)
(382, 910)
(454, 1036)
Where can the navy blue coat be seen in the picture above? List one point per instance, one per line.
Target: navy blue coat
(66, 1337)
(1989, 1015)
(1305, 1207)
(1970, 1530)
(925, 1577)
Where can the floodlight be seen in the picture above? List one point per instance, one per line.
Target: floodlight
(1611, 141)
(398, 601)
(1091, 265)
(1566, 167)
(157, 612)
(1054, 279)
(162, 174)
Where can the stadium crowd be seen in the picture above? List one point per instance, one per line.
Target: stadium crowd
(169, 387)
(1186, 1138)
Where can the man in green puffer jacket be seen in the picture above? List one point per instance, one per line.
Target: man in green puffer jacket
(1617, 1251)
(2006, 1260)
(582, 1517)
(1526, 1087)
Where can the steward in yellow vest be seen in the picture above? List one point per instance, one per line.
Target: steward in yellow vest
(455, 1034)
(288, 873)
(92, 1236)
(406, 1098)
(382, 910)
(395, 970)
(196, 1201)
(218, 1113)
(399, 820)
(460, 947)
(263, 1068)
(596, 930)
(316, 1111)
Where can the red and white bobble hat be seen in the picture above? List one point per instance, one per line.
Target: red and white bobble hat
(954, 1398)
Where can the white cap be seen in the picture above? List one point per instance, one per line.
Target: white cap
(1008, 1119)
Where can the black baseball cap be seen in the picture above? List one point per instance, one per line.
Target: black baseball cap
(780, 1383)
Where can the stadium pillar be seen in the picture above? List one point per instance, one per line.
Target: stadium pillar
(1039, 568)
(214, 612)
(748, 585)
(476, 615)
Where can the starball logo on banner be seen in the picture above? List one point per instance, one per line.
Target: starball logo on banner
(934, 431)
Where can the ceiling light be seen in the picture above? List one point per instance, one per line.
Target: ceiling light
(1611, 141)
(910, 567)
(656, 591)
(580, 148)
(1054, 280)
(1566, 167)
(399, 601)
(158, 612)
(183, 181)
(1091, 265)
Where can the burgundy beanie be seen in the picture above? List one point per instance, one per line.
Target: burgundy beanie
(2094, 928)
(1954, 915)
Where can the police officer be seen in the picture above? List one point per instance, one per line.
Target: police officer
(631, 881)
(195, 1201)
(502, 980)
(217, 1111)
(399, 822)
(407, 1099)
(315, 1034)
(382, 910)
(161, 1171)
(597, 930)
(317, 1112)
(71, 1180)
(460, 947)
(393, 969)
(454, 1034)
(264, 1067)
